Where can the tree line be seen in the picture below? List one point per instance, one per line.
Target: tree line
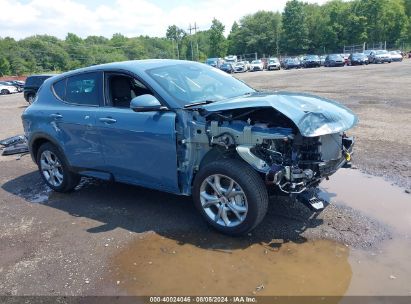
(301, 28)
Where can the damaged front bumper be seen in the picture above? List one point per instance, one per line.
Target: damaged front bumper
(301, 176)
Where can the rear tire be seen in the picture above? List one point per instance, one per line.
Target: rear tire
(30, 98)
(4, 92)
(240, 202)
(54, 169)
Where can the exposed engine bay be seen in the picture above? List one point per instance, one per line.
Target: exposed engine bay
(267, 140)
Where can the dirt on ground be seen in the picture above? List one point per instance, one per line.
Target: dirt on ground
(114, 239)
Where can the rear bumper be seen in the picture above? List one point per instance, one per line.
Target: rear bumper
(337, 64)
(382, 60)
(312, 64)
(273, 67)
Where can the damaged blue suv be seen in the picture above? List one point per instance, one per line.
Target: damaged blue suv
(188, 129)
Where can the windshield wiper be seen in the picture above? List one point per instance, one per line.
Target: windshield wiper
(199, 103)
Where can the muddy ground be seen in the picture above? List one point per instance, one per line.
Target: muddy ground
(114, 239)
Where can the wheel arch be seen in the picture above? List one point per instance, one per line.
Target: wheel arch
(214, 154)
(37, 141)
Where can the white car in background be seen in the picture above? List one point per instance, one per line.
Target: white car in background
(395, 56)
(257, 65)
(273, 64)
(380, 56)
(240, 67)
(7, 89)
(231, 59)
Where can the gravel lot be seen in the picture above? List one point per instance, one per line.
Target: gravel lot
(70, 244)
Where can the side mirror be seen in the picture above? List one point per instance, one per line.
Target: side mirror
(146, 103)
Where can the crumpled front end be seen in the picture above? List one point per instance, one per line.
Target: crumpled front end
(299, 163)
(293, 140)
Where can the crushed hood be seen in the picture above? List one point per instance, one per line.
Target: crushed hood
(313, 115)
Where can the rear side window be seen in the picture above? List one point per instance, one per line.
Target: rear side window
(36, 81)
(60, 89)
(84, 89)
(29, 81)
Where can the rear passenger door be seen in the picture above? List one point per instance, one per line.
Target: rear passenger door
(75, 119)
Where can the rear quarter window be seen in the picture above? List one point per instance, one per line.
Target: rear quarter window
(84, 89)
(59, 88)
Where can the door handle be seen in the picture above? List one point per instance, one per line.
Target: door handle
(107, 120)
(56, 116)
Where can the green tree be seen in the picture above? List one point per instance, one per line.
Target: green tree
(218, 44)
(294, 37)
(4, 66)
(386, 19)
(233, 41)
(176, 35)
(259, 32)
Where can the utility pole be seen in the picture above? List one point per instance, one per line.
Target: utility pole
(195, 32)
(190, 28)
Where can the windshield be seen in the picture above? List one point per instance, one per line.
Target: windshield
(211, 61)
(381, 52)
(273, 60)
(191, 83)
(256, 61)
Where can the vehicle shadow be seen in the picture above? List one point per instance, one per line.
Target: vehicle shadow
(140, 210)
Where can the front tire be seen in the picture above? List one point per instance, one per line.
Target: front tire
(54, 169)
(230, 196)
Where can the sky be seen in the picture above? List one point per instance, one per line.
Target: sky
(23, 18)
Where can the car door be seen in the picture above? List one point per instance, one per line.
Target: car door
(74, 119)
(138, 147)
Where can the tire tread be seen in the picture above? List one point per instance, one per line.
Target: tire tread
(249, 177)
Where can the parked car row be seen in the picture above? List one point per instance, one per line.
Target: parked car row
(11, 86)
(231, 64)
(335, 60)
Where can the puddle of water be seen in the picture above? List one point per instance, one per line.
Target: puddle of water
(372, 196)
(383, 271)
(156, 265)
(212, 264)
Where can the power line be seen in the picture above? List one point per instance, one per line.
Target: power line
(190, 28)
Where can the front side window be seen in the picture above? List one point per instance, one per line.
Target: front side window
(190, 83)
(84, 89)
(122, 89)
